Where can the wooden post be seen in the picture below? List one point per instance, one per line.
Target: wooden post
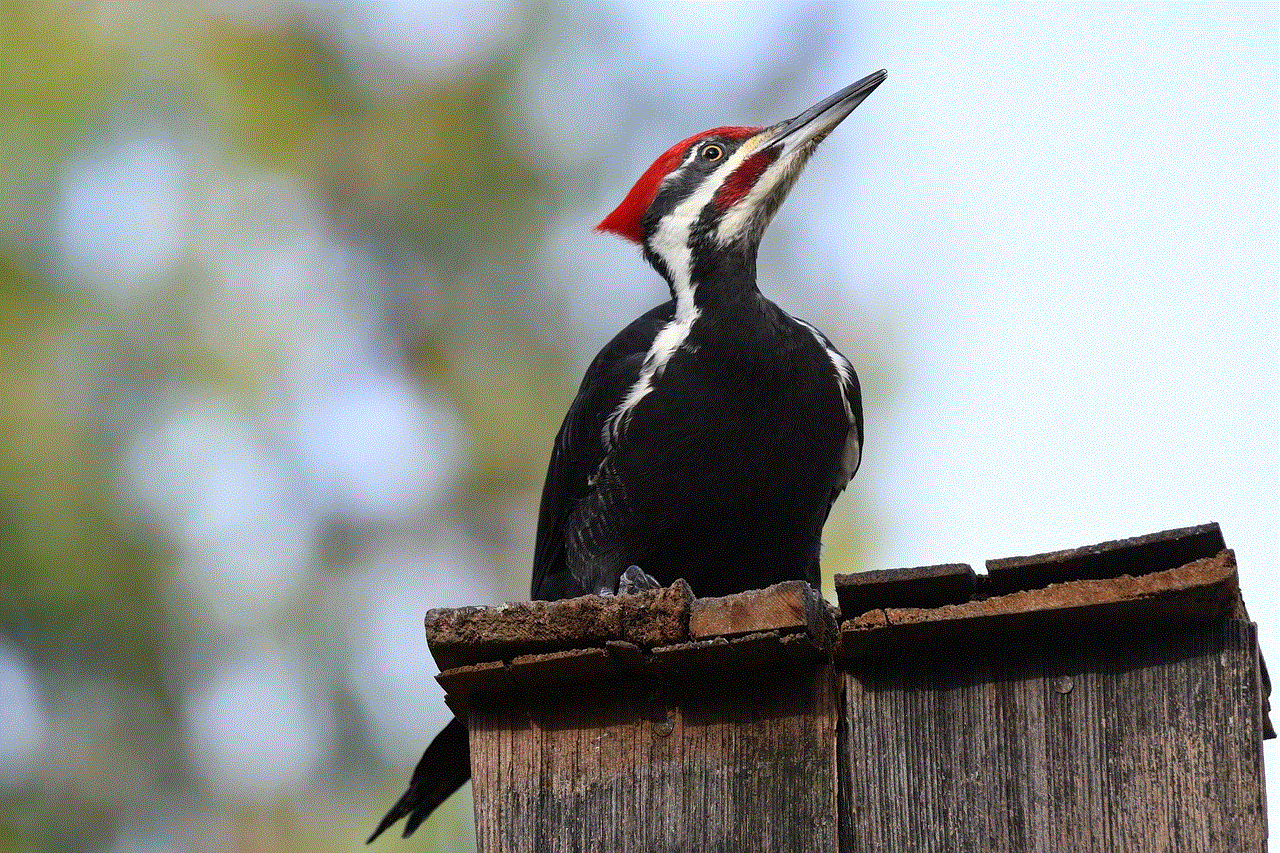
(1103, 699)
(1130, 744)
(677, 765)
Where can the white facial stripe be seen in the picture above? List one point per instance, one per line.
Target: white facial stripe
(750, 215)
(670, 242)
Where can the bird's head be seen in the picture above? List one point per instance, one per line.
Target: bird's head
(718, 190)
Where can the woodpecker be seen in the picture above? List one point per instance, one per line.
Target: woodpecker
(710, 437)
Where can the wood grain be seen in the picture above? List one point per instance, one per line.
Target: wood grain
(1134, 743)
(718, 765)
(1152, 552)
(923, 586)
(789, 606)
(1195, 593)
(1106, 698)
(463, 636)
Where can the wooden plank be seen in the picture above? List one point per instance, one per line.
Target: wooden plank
(470, 635)
(489, 677)
(924, 586)
(785, 607)
(1138, 555)
(1150, 742)
(1197, 592)
(629, 657)
(572, 666)
(746, 763)
(800, 649)
(718, 655)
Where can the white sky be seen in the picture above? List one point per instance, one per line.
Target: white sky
(1079, 223)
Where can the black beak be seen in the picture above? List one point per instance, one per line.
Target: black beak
(819, 119)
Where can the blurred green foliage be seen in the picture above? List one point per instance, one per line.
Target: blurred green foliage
(425, 178)
(87, 589)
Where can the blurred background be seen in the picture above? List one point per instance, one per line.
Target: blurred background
(293, 296)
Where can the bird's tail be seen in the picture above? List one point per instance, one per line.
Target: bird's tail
(444, 768)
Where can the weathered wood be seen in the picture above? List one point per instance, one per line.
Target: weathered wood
(1119, 707)
(1062, 742)
(1153, 552)
(741, 764)
(470, 635)
(924, 586)
(607, 638)
(1195, 593)
(488, 677)
(789, 606)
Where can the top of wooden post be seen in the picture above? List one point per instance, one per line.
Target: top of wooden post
(1173, 578)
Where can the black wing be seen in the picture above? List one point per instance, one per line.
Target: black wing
(851, 393)
(853, 444)
(579, 449)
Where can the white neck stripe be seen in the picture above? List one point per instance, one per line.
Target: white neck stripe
(670, 242)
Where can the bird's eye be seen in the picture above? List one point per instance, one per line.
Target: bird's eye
(712, 153)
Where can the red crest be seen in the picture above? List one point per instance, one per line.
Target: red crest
(625, 219)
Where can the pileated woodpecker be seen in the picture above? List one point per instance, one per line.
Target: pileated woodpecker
(710, 437)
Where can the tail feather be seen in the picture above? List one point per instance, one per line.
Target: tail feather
(444, 768)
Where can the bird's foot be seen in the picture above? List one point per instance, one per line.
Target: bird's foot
(634, 580)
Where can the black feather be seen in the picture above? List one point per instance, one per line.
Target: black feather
(444, 768)
(579, 451)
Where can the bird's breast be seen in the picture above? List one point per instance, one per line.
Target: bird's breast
(740, 408)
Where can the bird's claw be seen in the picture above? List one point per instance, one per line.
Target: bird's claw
(634, 580)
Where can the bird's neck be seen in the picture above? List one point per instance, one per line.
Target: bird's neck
(711, 283)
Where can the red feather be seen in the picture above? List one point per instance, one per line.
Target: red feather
(625, 219)
(737, 185)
